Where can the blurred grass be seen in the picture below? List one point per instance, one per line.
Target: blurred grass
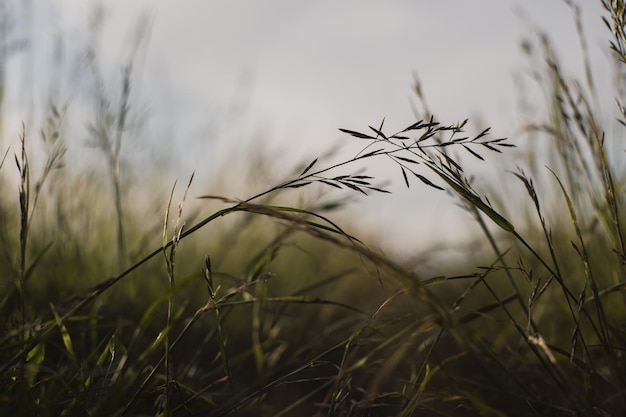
(268, 306)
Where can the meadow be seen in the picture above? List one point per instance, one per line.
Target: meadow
(190, 303)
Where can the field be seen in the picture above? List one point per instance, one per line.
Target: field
(119, 299)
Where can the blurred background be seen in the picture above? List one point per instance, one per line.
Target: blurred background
(215, 83)
(108, 107)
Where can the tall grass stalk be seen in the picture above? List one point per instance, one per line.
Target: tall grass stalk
(170, 258)
(22, 317)
(111, 122)
(24, 199)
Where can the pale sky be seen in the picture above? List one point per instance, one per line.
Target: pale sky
(219, 73)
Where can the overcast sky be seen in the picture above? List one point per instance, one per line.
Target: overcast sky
(219, 73)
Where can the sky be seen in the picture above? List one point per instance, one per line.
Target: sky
(216, 75)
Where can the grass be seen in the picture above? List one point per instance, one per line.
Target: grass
(264, 306)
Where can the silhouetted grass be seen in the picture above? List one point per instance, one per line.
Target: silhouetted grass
(263, 306)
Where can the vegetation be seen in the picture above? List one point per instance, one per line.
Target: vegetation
(266, 307)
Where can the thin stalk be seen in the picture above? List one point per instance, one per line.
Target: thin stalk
(115, 164)
(169, 260)
(502, 261)
(24, 196)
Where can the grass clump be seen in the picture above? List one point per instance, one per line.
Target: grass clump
(289, 313)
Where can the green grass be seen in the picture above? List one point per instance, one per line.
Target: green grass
(267, 306)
